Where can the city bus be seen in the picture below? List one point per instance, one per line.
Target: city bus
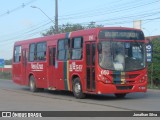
(107, 60)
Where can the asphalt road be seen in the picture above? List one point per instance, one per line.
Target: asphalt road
(18, 98)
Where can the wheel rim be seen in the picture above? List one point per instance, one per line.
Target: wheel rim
(77, 88)
(32, 85)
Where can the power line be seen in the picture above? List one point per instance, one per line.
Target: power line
(108, 11)
(101, 9)
(31, 32)
(17, 8)
(112, 22)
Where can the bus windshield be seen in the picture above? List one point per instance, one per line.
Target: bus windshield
(122, 56)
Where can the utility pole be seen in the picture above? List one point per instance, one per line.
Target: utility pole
(56, 16)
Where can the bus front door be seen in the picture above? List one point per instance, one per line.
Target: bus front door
(51, 67)
(90, 65)
(24, 66)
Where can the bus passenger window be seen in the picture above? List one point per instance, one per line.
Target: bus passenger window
(17, 54)
(63, 49)
(41, 51)
(77, 44)
(32, 54)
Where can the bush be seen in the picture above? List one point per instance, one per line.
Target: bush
(154, 67)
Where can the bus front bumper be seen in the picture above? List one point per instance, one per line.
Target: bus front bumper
(124, 88)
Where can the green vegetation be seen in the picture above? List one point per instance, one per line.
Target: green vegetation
(70, 27)
(6, 75)
(154, 67)
(8, 62)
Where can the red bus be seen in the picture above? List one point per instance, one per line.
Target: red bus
(109, 60)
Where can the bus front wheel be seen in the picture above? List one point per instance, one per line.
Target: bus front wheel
(32, 84)
(77, 89)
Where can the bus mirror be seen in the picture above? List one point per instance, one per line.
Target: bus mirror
(99, 47)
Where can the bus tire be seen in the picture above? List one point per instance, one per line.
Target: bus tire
(120, 95)
(32, 84)
(77, 89)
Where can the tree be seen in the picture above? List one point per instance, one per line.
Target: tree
(154, 67)
(93, 25)
(8, 62)
(70, 27)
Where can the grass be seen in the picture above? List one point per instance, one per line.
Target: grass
(153, 86)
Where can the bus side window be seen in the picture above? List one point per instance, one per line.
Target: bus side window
(63, 49)
(76, 52)
(32, 54)
(17, 54)
(41, 51)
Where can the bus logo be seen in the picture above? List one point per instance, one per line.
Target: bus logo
(6, 114)
(74, 67)
(104, 72)
(37, 67)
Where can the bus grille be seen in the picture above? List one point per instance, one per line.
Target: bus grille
(124, 87)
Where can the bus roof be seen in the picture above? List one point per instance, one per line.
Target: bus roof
(74, 34)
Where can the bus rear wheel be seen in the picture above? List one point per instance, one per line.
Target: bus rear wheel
(77, 89)
(120, 95)
(32, 84)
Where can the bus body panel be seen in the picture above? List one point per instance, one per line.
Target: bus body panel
(40, 71)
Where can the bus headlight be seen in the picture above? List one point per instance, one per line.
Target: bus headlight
(142, 87)
(104, 79)
(144, 78)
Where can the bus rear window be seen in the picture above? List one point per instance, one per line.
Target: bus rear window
(121, 34)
